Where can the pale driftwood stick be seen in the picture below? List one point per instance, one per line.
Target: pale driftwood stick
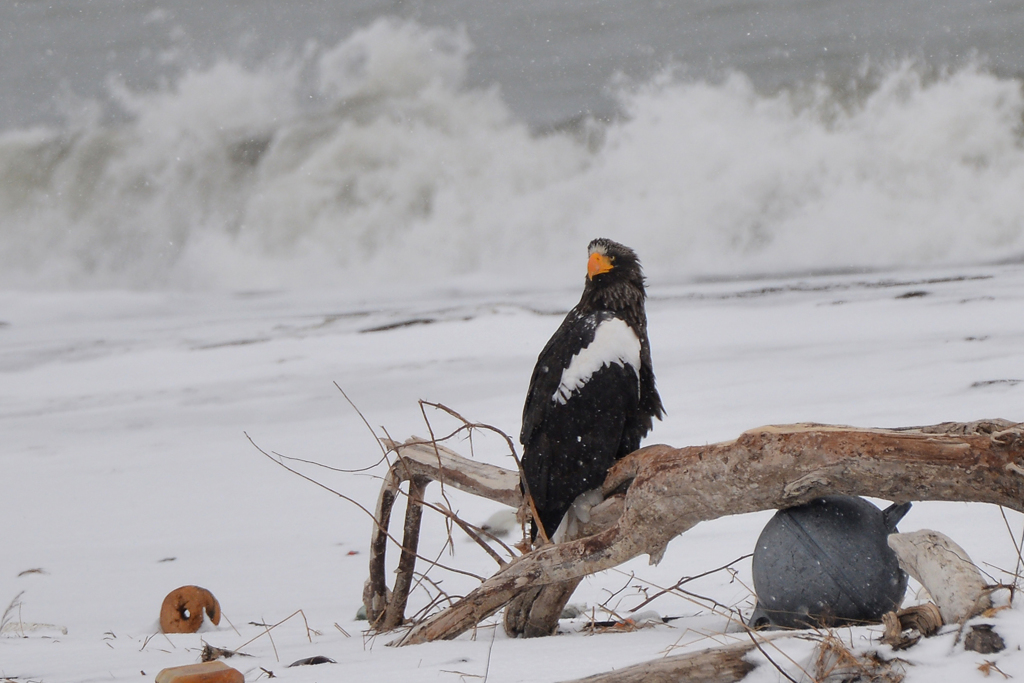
(419, 462)
(671, 490)
(420, 458)
(945, 570)
(716, 665)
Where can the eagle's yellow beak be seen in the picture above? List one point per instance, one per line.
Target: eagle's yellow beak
(598, 263)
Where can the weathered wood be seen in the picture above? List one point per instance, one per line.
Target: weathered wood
(375, 591)
(420, 458)
(407, 561)
(536, 612)
(671, 490)
(945, 570)
(716, 665)
(925, 619)
(419, 462)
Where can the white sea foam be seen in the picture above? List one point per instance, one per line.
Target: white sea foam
(372, 163)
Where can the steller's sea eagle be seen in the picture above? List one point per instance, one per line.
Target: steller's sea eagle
(592, 395)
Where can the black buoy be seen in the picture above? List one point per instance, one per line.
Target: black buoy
(827, 563)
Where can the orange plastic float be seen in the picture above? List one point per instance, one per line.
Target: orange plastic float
(182, 611)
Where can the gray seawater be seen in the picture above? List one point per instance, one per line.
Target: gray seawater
(363, 144)
(553, 60)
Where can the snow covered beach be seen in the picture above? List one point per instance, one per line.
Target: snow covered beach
(211, 214)
(128, 472)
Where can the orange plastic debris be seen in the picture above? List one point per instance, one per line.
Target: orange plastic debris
(207, 672)
(182, 609)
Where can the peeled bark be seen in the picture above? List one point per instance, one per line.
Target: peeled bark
(671, 490)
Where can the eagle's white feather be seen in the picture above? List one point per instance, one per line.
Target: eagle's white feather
(614, 342)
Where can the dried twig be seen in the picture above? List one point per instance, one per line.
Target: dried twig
(412, 523)
(444, 494)
(687, 579)
(1018, 546)
(611, 594)
(210, 653)
(988, 667)
(754, 639)
(270, 627)
(442, 596)
(473, 532)
(467, 425)
(14, 604)
(358, 505)
(702, 601)
(272, 644)
(431, 604)
(837, 661)
(384, 453)
(227, 619)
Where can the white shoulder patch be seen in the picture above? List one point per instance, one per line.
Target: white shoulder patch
(614, 342)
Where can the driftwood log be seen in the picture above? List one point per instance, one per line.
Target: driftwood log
(716, 665)
(670, 490)
(833, 662)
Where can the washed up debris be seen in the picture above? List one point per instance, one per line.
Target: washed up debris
(955, 584)
(211, 653)
(826, 563)
(946, 571)
(34, 570)
(10, 624)
(637, 620)
(919, 620)
(983, 639)
(310, 661)
(24, 628)
(837, 663)
(182, 609)
(925, 619)
(205, 672)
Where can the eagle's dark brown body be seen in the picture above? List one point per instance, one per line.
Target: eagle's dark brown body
(592, 395)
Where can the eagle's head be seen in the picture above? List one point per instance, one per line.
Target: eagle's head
(611, 263)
